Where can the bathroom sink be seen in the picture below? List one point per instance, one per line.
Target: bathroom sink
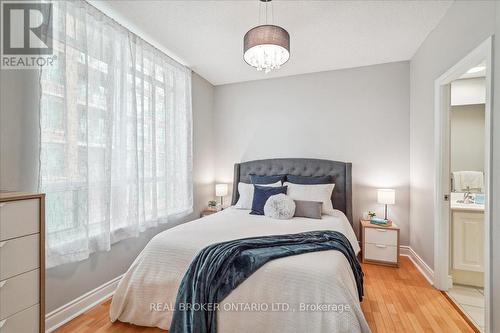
(476, 203)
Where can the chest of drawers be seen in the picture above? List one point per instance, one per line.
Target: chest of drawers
(380, 244)
(22, 262)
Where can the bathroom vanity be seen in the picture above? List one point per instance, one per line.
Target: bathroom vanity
(467, 241)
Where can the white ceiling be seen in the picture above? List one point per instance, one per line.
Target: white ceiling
(325, 35)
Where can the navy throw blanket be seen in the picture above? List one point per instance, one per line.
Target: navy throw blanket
(220, 268)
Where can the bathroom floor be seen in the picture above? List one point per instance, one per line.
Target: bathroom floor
(471, 301)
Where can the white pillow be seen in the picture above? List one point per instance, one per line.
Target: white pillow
(279, 206)
(315, 192)
(246, 194)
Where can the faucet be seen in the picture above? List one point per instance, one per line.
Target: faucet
(468, 197)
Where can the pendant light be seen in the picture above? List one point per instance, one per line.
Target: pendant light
(266, 47)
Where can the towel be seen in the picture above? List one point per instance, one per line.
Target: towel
(473, 180)
(378, 220)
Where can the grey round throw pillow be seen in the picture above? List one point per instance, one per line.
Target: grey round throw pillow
(279, 206)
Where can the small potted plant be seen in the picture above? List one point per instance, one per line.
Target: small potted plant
(371, 214)
(212, 205)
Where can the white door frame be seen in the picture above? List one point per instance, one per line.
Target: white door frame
(441, 209)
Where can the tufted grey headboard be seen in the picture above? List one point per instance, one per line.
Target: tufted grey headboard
(340, 172)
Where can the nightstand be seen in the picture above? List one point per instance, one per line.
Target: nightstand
(380, 245)
(207, 212)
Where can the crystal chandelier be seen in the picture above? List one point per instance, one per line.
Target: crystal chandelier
(266, 47)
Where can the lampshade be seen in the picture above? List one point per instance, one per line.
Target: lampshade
(220, 190)
(266, 47)
(386, 196)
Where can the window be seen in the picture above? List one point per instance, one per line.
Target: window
(116, 135)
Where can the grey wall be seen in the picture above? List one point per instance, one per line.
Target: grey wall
(359, 115)
(18, 129)
(467, 137)
(19, 166)
(464, 27)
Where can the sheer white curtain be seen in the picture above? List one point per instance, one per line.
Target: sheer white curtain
(116, 135)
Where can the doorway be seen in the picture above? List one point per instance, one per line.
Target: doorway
(463, 162)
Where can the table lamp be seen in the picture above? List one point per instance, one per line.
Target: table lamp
(221, 191)
(386, 197)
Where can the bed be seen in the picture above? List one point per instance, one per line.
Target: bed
(293, 294)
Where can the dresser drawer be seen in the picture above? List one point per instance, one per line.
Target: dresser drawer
(380, 252)
(19, 218)
(19, 293)
(18, 255)
(26, 321)
(381, 236)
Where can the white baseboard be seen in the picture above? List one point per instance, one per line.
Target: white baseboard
(404, 250)
(426, 271)
(76, 307)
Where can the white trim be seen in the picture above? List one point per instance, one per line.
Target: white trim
(441, 220)
(76, 307)
(404, 250)
(421, 265)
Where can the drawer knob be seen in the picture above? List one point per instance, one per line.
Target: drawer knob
(380, 246)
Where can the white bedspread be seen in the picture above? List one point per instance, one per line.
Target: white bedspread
(294, 287)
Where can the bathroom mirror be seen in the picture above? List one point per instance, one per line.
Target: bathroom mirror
(467, 131)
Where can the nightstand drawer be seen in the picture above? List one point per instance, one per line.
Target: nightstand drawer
(381, 236)
(380, 252)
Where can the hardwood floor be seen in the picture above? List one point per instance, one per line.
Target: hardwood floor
(396, 300)
(401, 300)
(96, 320)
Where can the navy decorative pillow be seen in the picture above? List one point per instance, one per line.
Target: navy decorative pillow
(256, 179)
(309, 180)
(260, 196)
